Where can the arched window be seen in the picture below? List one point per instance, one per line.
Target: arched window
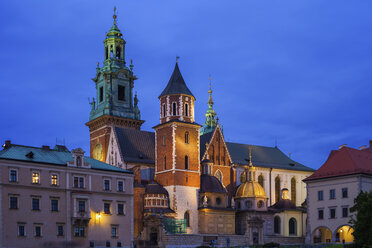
(187, 137)
(218, 174)
(186, 109)
(277, 189)
(292, 226)
(277, 224)
(186, 162)
(260, 180)
(187, 218)
(293, 189)
(164, 110)
(118, 52)
(174, 108)
(165, 162)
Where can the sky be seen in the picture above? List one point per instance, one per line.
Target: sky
(292, 73)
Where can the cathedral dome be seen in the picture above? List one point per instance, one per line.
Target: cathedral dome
(250, 189)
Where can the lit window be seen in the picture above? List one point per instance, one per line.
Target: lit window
(60, 230)
(120, 208)
(106, 208)
(54, 179)
(21, 230)
(114, 231)
(13, 202)
(35, 177)
(81, 206)
(332, 194)
(54, 205)
(120, 186)
(37, 231)
(13, 175)
(106, 184)
(35, 204)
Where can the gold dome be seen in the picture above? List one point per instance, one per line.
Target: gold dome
(250, 189)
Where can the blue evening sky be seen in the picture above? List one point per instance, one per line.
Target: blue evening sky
(298, 72)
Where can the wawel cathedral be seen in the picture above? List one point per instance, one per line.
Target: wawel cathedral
(191, 186)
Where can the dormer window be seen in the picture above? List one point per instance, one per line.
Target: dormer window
(78, 161)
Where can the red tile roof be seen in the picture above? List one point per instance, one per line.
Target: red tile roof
(345, 161)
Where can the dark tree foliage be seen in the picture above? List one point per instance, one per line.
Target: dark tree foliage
(362, 220)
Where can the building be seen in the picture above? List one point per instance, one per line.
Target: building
(61, 198)
(331, 191)
(188, 166)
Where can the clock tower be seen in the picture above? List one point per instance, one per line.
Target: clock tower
(114, 104)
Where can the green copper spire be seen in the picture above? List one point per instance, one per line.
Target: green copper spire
(210, 122)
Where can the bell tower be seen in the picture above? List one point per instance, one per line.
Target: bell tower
(114, 105)
(177, 163)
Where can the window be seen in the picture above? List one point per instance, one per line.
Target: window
(100, 94)
(13, 175)
(187, 218)
(293, 190)
(332, 194)
(35, 177)
(277, 189)
(81, 205)
(120, 186)
(260, 204)
(13, 202)
(292, 226)
(344, 192)
(37, 231)
(260, 180)
(174, 108)
(35, 204)
(79, 231)
(320, 214)
(320, 195)
(120, 208)
(60, 230)
(186, 137)
(186, 109)
(163, 140)
(21, 230)
(54, 205)
(186, 162)
(218, 200)
(106, 208)
(121, 93)
(345, 212)
(165, 162)
(106, 184)
(332, 213)
(114, 231)
(277, 224)
(164, 110)
(79, 182)
(248, 204)
(54, 179)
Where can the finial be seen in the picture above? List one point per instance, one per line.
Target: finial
(250, 155)
(177, 58)
(131, 65)
(97, 64)
(115, 15)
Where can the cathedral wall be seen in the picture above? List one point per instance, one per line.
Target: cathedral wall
(182, 199)
(101, 135)
(138, 203)
(216, 221)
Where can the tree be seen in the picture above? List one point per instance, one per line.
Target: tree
(362, 219)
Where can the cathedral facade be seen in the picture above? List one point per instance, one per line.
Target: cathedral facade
(188, 179)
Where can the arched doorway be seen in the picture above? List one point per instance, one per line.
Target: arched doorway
(153, 236)
(344, 234)
(322, 235)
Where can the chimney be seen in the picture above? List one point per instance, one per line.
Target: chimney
(341, 146)
(7, 144)
(47, 148)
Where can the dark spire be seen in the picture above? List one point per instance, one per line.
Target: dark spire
(176, 84)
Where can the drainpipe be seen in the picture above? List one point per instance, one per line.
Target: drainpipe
(270, 186)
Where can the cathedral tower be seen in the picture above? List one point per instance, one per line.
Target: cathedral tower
(114, 105)
(177, 165)
(210, 121)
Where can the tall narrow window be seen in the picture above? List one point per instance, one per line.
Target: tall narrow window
(13, 175)
(54, 180)
(100, 94)
(106, 52)
(293, 190)
(35, 177)
(121, 93)
(277, 189)
(174, 108)
(187, 218)
(186, 109)
(165, 162)
(164, 110)
(277, 224)
(260, 180)
(186, 137)
(118, 52)
(186, 162)
(81, 204)
(292, 226)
